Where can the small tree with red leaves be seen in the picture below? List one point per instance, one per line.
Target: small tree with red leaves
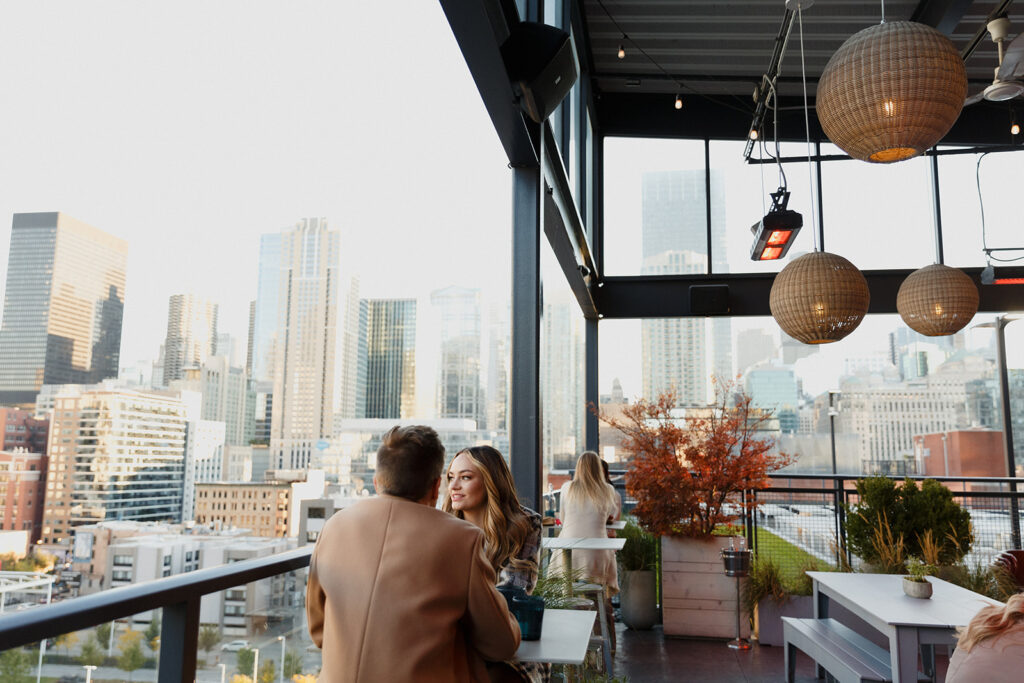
(687, 467)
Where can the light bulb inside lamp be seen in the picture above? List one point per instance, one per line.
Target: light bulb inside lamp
(1015, 128)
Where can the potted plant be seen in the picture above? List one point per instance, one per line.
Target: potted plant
(915, 583)
(638, 562)
(687, 471)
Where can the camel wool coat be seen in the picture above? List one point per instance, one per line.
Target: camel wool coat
(399, 591)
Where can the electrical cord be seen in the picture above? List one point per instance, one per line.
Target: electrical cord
(981, 206)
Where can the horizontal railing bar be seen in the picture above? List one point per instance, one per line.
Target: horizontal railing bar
(49, 621)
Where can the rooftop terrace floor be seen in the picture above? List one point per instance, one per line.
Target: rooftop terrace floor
(648, 656)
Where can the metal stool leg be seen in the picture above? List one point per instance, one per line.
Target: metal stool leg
(606, 644)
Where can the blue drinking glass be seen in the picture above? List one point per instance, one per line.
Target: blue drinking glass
(529, 612)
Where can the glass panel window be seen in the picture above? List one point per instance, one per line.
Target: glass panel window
(655, 207)
(740, 197)
(998, 176)
(879, 215)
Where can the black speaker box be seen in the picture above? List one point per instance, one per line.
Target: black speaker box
(709, 299)
(539, 62)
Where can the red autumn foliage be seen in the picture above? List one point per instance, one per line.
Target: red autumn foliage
(685, 468)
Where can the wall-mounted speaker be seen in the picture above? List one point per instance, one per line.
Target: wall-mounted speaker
(539, 62)
(709, 299)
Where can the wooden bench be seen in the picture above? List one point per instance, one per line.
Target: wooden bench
(847, 656)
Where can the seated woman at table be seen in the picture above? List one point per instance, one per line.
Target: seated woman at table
(588, 502)
(480, 490)
(991, 648)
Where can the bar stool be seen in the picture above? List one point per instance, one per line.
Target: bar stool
(597, 593)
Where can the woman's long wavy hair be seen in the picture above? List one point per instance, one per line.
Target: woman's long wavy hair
(505, 525)
(992, 621)
(588, 484)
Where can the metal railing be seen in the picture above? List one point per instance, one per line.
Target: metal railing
(179, 597)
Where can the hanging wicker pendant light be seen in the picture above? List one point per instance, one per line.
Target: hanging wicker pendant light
(937, 300)
(891, 91)
(819, 298)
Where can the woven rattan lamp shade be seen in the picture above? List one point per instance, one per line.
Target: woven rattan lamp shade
(819, 298)
(891, 91)
(937, 300)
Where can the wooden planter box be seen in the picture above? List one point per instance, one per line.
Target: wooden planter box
(698, 599)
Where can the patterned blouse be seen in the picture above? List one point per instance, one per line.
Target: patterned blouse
(525, 578)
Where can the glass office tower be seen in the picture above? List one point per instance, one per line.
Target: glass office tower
(63, 306)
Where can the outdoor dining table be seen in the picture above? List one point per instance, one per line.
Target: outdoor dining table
(567, 545)
(564, 638)
(911, 624)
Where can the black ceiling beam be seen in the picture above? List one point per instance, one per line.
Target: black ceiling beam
(944, 15)
(667, 296)
(652, 116)
(480, 27)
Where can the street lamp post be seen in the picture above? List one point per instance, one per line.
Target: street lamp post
(88, 672)
(255, 664)
(280, 676)
(223, 672)
(1004, 391)
(833, 410)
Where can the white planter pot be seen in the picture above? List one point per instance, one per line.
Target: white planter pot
(769, 617)
(698, 599)
(638, 599)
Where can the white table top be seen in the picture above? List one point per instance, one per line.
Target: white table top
(617, 525)
(563, 543)
(881, 596)
(564, 638)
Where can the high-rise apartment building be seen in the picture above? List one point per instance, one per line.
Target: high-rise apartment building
(303, 400)
(227, 394)
(390, 349)
(113, 454)
(460, 392)
(191, 334)
(63, 305)
(562, 380)
(674, 242)
(499, 351)
(675, 351)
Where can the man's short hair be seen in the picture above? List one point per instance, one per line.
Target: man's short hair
(409, 461)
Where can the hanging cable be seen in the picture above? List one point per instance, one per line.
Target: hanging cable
(807, 127)
(981, 206)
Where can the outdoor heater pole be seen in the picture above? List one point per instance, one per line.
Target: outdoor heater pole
(835, 479)
(1004, 391)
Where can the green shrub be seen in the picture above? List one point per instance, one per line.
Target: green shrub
(641, 548)
(909, 512)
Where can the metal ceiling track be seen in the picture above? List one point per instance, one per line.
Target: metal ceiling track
(769, 78)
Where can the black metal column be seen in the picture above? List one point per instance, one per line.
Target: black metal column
(179, 637)
(592, 395)
(1004, 392)
(525, 425)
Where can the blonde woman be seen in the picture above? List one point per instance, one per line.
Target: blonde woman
(991, 648)
(481, 491)
(588, 503)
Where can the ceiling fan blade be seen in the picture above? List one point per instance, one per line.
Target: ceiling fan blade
(976, 97)
(1013, 60)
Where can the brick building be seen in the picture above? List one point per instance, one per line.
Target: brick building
(22, 480)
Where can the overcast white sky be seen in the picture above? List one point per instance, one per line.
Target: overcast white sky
(190, 128)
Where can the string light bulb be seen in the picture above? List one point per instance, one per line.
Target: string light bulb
(622, 52)
(753, 133)
(1014, 127)
(679, 103)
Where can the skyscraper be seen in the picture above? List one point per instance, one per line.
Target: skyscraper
(390, 358)
(307, 307)
(63, 306)
(674, 242)
(459, 390)
(227, 397)
(191, 334)
(114, 454)
(264, 311)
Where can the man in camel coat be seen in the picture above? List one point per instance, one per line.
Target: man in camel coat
(400, 591)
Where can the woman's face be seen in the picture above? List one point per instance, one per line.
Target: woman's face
(465, 485)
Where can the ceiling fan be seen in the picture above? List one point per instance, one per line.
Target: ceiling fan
(1009, 80)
